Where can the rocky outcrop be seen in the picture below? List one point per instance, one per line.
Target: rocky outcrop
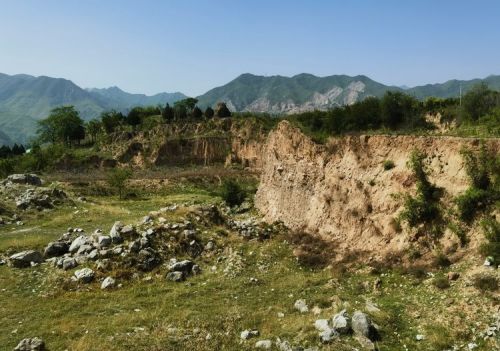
(341, 191)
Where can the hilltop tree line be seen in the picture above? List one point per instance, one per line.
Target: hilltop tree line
(400, 111)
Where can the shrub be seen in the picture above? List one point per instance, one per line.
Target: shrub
(441, 260)
(117, 179)
(491, 229)
(485, 282)
(388, 164)
(459, 232)
(471, 202)
(441, 282)
(232, 193)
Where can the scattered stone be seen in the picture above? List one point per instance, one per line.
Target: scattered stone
(77, 243)
(453, 275)
(488, 262)
(321, 325)
(55, 249)
(185, 266)
(108, 283)
(25, 258)
(341, 322)
(69, 263)
(264, 344)
(32, 344)
(249, 333)
(85, 275)
(176, 276)
(361, 324)
(301, 306)
(114, 233)
(328, 335)
(104, 241)
(30, 179)
(419, 337)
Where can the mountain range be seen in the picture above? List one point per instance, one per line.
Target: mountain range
(24, 99)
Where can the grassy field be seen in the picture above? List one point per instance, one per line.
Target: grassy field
(208, 311)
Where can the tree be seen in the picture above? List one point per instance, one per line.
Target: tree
(5, 151)
(196, 113)
(180, 112)
(134, 117)
(222, 111)
(62, 125)
(111, 120)
(479, 101)
(93, 128)
(232, 193)
(167, 113)
(209, 112)
(117, 178)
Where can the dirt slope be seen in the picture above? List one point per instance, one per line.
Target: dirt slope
(342, 192)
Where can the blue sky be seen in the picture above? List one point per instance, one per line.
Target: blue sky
(194, 45)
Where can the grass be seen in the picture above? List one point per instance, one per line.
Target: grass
(207, 312)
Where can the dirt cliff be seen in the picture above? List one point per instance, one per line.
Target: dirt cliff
(341, 191)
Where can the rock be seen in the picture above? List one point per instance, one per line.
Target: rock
(264, 344)
(301, 306)
(69, 263)
(453, 275)
(108, 283)
(25, 258)
(362, 325)
(210, 246)
(249, 333)
(182, 266)
(176, 276)
(327, 335)
(488, 261)
(93, 255)
(33, 344)
(284, 345)
(55, 249)
(341, 322)
(31, 179)
(104, 240)
(115, 234)
(77, 243)
(134, 246)
(419, 337)
(85, 275)
(148, 260)
(321, 325)
(196, 270)
(127, 231)
(189, 234)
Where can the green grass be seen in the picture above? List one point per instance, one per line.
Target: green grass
(140, 315)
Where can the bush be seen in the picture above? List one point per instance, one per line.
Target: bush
(441, 282)
(388, 164)
(471, 202)
(117, 179)
(441, 260)
(491, 229)
(485, 282)
(232, 193)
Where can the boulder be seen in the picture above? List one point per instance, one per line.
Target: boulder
(341, 322)
(185, 266)
(77, 243)
(31, 179)
(362, 325)
(321, 325)
(25, 258)
(84, 275)
(69, 263)
(328, 335)
(176, 276)
(32, 344)
(55, 249)
(104, 240)
(115, 233)
(108, 283)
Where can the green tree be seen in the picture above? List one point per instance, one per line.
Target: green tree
(62, 125)
(479, 101)
(232, 193)
(209, 112)
(93, 128)
(222, 111)
(117, 178)
(180, 112)
(111, 120)
(167, 113)
(134, 117)
(196, 114)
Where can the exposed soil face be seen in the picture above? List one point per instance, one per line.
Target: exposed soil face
(342, 192)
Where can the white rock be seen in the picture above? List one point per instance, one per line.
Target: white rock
(264, 344)
(321, 325)
(85, 275)
(301, 306)
(108, 283)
